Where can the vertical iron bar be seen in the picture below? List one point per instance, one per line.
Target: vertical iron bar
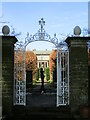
(66, 79)
(63, 76)
(14, 81)
(57, 78)
(17, 78)
(24, 75)
(60, 79)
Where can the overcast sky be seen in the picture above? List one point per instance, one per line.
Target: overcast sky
(60, 17)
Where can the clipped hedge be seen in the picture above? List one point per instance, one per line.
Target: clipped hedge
(47, 74)
(45, 70)
(38, 73)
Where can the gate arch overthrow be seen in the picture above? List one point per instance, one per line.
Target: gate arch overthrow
(62, 67)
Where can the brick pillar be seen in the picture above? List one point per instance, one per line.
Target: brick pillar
(89, 73)
(7, 72)
(78, 71)
(0, 79)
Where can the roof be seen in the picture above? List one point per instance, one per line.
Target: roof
(42, 52)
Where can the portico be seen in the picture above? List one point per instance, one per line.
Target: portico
(42, 58)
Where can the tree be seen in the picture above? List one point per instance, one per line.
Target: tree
(31, 63)
(52, 62)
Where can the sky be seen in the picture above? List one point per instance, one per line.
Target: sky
(60, 18)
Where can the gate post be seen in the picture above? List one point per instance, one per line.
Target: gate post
(78, 71)
(7, 73)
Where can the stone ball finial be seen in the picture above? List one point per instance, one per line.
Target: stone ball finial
(5, 30)
(77, 30)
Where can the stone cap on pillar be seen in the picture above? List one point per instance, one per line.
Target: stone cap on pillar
(8, 39)
(77, 41)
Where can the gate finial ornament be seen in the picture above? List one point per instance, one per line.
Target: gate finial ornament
(77, 30)
(5, 30)
(42, 23)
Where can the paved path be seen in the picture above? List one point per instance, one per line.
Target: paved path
(37, 99)
(40, 106)
(41, 100)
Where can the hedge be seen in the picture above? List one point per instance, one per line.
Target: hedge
(47, 74)
(37, 73)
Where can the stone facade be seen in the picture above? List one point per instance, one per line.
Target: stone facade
(42, 58)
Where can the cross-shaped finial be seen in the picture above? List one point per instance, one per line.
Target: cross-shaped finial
(41, 22)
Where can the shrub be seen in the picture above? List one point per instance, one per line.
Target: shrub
(47, 74)
(37, 73)
(45, 70)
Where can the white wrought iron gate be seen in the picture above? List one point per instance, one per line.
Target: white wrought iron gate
(62, 77)
(19, 75)
(20, 68)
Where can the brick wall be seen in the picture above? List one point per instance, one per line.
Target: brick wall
(7, 73)
(78, 72)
